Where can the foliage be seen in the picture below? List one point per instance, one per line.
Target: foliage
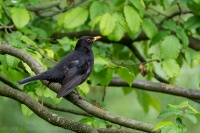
(164, 33)
(181, 112)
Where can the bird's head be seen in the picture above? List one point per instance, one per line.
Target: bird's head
(85, 43)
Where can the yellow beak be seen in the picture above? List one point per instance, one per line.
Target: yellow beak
(96, 38)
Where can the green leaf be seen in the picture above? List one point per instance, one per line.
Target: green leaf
(107, 24)
(145, 99)
(139, 5)
(182, 36)
(180, 106)
(107, 77)
(126, 75)
(191, 117)
(192, 23)
(96, 20)
(170, 111)
(20, 17)
(133, 19)
(83, 88)
(171, 129)
(16, 34)
(73, 18)
(28, 41)
(161, 125)
(98, 8)
(171, 68)
(159, 36)
(171, 25)
(26, 111)
(12, 61)
(100, 62)
(103, 77)
(170, 48)
(149, 28)
(119, 29)
(127, 90)
(190, 54)
(194, 110)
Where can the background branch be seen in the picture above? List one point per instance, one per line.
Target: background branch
(159, 87)
(194, 43)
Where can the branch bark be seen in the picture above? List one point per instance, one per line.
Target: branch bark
(45, 114)
(159, 87)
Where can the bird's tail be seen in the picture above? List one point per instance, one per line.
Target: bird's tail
(32, 78)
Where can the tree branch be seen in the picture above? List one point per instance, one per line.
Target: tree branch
(173, 15)
(194, 43)
(37, 68)
(159, 87)
(53, 118)
(50, 106)
(45, 114)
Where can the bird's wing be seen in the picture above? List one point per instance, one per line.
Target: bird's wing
(78, 71)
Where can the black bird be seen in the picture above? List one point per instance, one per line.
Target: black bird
(72, 70)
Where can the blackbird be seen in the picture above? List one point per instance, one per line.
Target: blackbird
(72, 70)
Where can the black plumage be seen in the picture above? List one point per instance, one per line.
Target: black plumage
(72, 70)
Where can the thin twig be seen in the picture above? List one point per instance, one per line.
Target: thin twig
(104, 94)
(50, 106)
(174, 15)
(43, 55)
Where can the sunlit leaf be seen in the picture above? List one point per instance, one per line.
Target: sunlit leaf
(119, 29)
(26, 111)
(98, 8)
(170, 111)
(172, 128)
(139, 5)
(161, 125)
(107, 24)
(126, 75)
(191, 117)
(170, 47)
(73, 18)
(132, 18)
(83, 88)
(20, 17)
(159, 37)
(149, 28)
(171, 68)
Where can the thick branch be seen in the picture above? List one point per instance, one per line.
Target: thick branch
(194, 43)
(6, 49)
(159, 87)
(45, 114)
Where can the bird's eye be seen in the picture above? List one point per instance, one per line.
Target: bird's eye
(89, 40)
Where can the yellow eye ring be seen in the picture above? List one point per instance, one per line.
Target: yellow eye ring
(89, 40)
